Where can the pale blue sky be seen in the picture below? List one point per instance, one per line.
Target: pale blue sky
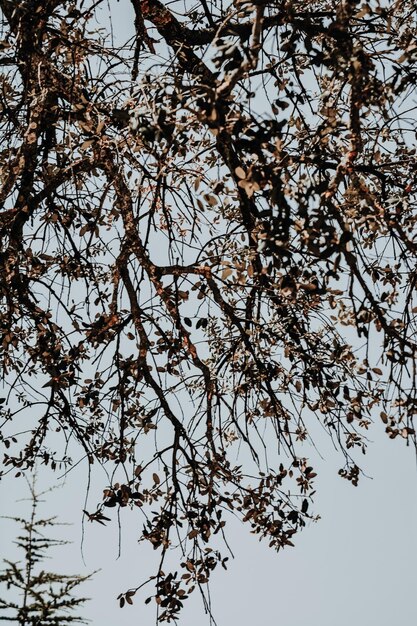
(356, 566)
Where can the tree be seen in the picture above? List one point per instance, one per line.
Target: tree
(208, 239)
(45, 598)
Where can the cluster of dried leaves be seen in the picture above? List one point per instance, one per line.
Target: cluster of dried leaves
(207, 240)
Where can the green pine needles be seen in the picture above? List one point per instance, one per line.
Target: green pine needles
(30, 595)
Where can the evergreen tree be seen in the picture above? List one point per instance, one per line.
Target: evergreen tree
(42, 598)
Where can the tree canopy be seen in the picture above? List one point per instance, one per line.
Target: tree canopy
(208, 245)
